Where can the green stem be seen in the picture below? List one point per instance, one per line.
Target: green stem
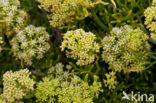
(152, 41)
(151, 54)
(113, 2)
(22, 66)
(2, 21)
(98, 67)
(98, 21)
(6, 49)
(100, 2)
(150, 65)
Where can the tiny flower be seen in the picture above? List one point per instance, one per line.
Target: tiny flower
(16, 85)
(120, 46)
(153, 36)
(64, 87)
(15, 17)
(29, 43)
(62, 12)
(81, 46)
(150, 14)
(110, 80)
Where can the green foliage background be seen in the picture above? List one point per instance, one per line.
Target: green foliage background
(101, 21)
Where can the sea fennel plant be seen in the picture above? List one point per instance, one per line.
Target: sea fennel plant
(65, 12)
(81, 46)
(14, 18)
(123, 49)
(64, 87)
(30, 43)
(150, 14)
(16, 85)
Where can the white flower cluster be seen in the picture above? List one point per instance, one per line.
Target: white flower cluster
(150, 14)
(123, 49)
(16, 85)
(150, 20)
(153, 36)
(2, 99)
(30, 43)
(80, 45)
(1, 43)
(14, 17)
(154, 2)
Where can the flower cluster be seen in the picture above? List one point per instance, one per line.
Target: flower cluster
(110, 80)
(63, 87)
(16, 85)
(13, 16)
(1, 43)
(123, 49)
(63, 12)
(2, 99)
(80, 45)
(32, 42)
(153, 36)
(150, 14)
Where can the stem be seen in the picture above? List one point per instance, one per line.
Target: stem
(100, 2)
(152, 41)
(36, 73)
(113, 2)
(57, 35)
(151, 54)
(143, 69)
(150, 65)
(6, 49)
(22, 66)
(98, 21)
(98, 67)
(2, 21)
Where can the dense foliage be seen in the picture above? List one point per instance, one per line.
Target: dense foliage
(76, 51)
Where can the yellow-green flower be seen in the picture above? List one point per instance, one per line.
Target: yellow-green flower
(64, 87)
(16, 85)
(65, 12)
(81, 46)
(110, 80)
